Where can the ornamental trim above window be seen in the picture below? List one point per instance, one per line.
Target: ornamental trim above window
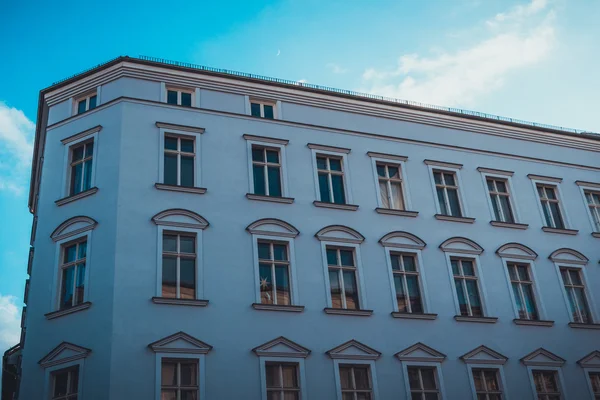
(420, 352)
(516, 250)
(402, 240)
(568, 256)
(181, 218)
(180, 342)
(73, 226)
(64, 353)
(353, 350)
(542, 358)
(281, 347)
(592, 360)
(339, 233)
(461, 245)
(272, 227)
(483, 355)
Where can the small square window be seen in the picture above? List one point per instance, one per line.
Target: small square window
(180, 97)
(86, 103)
(262, 109)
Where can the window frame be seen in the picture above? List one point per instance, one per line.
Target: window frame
(75, 101)
(588, 293)
(48, 377)
(278, 144)
(559, 374)
(277, 114)
(422, 281)
(359, 274)
(401, 163)
(180, 90)
(559, 196)
(512, 197)
(461, 198)
(500, 375)
(91, 136)
(587, 371)
(480, 282)
(200, 359)
(588, 186)
(541, 309)
(351, 361)
(425, 364)
(346, 177)
(196, 137)
(298, 361)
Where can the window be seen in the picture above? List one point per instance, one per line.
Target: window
(575, 292)
(72, 282)
(86, 103)
(593, 201)
(65, 383)
(500, 198)
(179, 379)
(81, 166)
(355, 382)
(546, 385)
(595, 383)
(330, 174)
(423, 383)
(522, 287)
(262, 110)
(282, 381)
(179, 265)
(467, 288)
(179, 160)
(266, 171)
(550, 206)
(179, 97)
(446, 187)
(274, 268)
(406, 282)
(342, 278)
(390, 185)
(487, 384)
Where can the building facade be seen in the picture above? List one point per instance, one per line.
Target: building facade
(205, 235)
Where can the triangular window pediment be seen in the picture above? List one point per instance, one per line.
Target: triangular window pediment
(420, 352)
(592, 360)
(484, 355)
(542, 357)
(354, 350)
(180, 342)
(64, 352)
(281, 347)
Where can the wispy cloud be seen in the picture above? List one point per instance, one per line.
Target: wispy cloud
(302, 81)
(336, 69)
(10, 322)
(16, 148)
(521, 37)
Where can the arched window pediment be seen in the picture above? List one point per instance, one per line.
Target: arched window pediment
(339, 233)
(73, 226)
(272, 226)
(461, 245)
(516, 250)
(178, 217)
(402, 239)
(568, 256)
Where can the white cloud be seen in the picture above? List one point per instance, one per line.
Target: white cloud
(10, 322)
(16, 148)
(519, 38)
(302, 81)
(336, 69)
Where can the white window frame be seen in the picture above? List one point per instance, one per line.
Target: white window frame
(345, 171)
(68, 149)
(277, 114)
(282, 161)
(349, 361)
(192, 91)
(58, 271)
(561, 380)
(588, 293)
(163, 132)
(512, 197)
(438, 371)
(559, 197)
(583, 188)
(401, 162)
(75, 101)
(501, 378)
(299, 361)
(461, 198)
(359, 272)
(586, 371)
(541, 309)
(422, 281)
(480, 281)
(48, 384)
(201, 371)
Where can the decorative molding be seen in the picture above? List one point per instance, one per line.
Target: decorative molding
(346, 207)
(542, 358)
(353, 350)
(461, 245)
(420, 353)
(178, 217)
(73, 226)
(544, 178)
(511, 225)
(516, 250)
(281, 347)
(81, 135)
(272, 227)
(404, 315)
(272, 199)
(404, 240)
(387, 156)
(179, 188)
(577, 325)
(175, 127)
(400, 213)
(67, 311)
(68, 351)
(483, 320)
(443, 164)
(181, 343)
(266, 139)
(345, 311)
(592, 360)
(328, 148)
(596, 234)
(588, 184)
(278, 307)
(77, 196)
(568, 256)
(484, 355)
(495, 171)
(464, 220)
(533, 322)
(560, 231)
(339, 233)
(180, 302)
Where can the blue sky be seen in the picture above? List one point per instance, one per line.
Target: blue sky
(530, 59)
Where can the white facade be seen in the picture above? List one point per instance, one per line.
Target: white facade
(123, 326)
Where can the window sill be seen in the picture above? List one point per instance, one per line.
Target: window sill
(77, 196)
(400, 213)
(60, 313)
(273, 199)
(560, 231)
(596, 234)
(347, 207)
(578, 325)
(533, 322)
(512, 225)
(180, 302)
(277, 307)
(343, 311)
(177, 188)
(483, 320)
(464, 220)
(404, 315)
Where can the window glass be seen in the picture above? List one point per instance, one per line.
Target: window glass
(268, 111)
(255, 109)
(171, 97)
(186, 99)
(92, 102)
(170, 175)
(81, 106)
(187, 171)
